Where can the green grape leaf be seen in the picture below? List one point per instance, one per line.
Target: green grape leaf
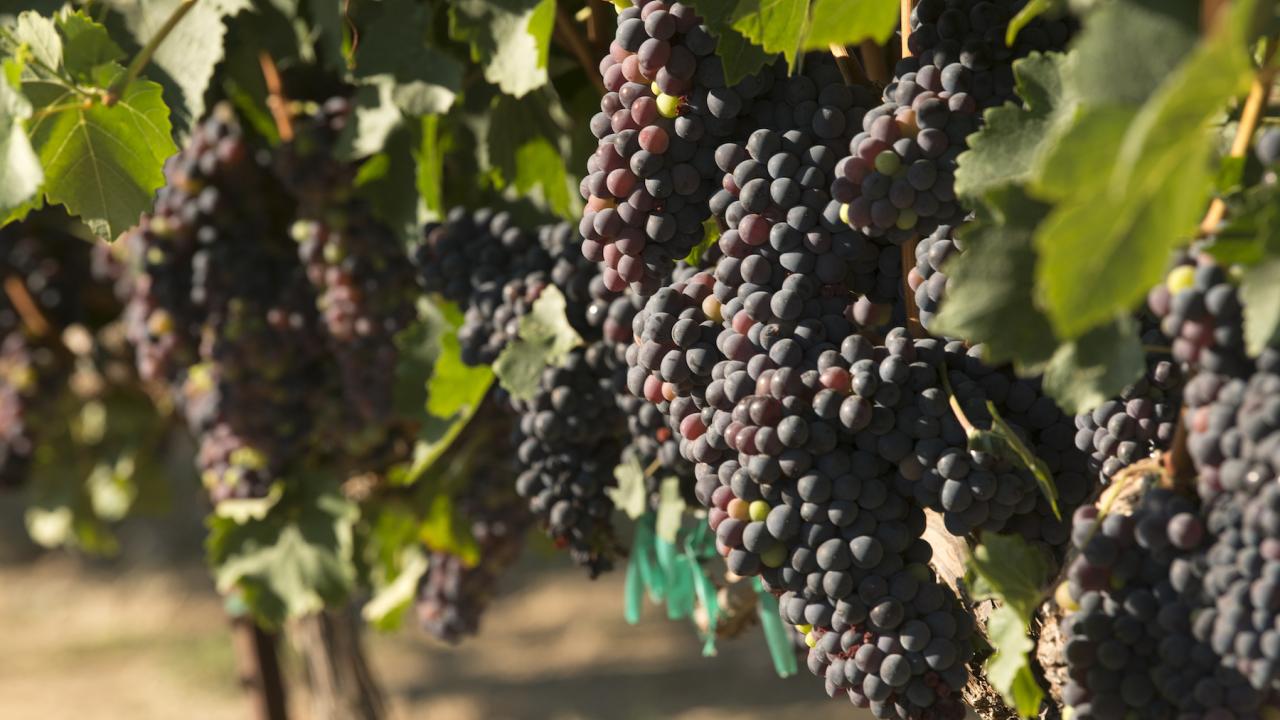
(778, 26)
(1095, 367)
(86, 45)
(671, 507)
(1029, 12)
(23, 174)
(386, 181)
(429, 178)
(374, 117)
(443, 529)
(510, 39)
(990, 287)
(740, 56)
(1009, 668)
(423, 79)
(103, 163)
(546, 338)
(187, 57)
(1004, 151)
(526, 149)
(40, 36)
(1260, 295)
(387, 608)
(1118, 229)
(452, 393)
(848, 22)
(1147, 38)
(1009, 569)
(630, 495)
(296, 561)
(710, 236)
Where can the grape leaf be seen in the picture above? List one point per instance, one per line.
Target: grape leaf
(1095, 367)
(630, 495)
(425, 79)
(1009, 569)
(386, 609)
(740, 56)
(1009, 668)
(1029, 12)
(1005, 149)
(1118, 229)
(429, 156)
(1260, 295)
(847, 22)
(990, 287)
(546, 337)
(670, 511)
(103, 163)
(775, 25)
(511, 39)
(40, 36)
(22, 172)
(86, 45)
(444, 529)
(374, 117)
(452, 393)
(386, 181)
(521, 149)
(185, 61)
(1144, 37)
(297, 560)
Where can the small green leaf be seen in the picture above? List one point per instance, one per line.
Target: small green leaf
(1029, 12)
(1006, 149)
(386, 609)
(103, 163)
(296, 561)
(849, 22)
(87, 45)
(546, 338)
(1260, 295)
(778, 26)
(188, 55)
(630, 495)
(23, 174)
(671, 508)
(41, 37)
(443, 529)
(510, 39)
(1009, 569)
(1024, 456)
(990, 287)
(776, 635)
(1088, 371)
(422, 79)
(710, 236)
(1009, 669)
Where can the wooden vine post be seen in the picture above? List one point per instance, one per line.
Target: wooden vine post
(258, 668)
(340, 680)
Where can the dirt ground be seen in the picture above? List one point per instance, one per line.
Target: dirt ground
(108, 641)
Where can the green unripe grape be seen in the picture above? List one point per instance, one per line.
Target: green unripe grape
(804, 629)
(844, 213)
(906, 219)
(621, 5)
(774, 556)
(654, 87)
(759, 510)
(1181, 278)
(668, 105)
(888, 162)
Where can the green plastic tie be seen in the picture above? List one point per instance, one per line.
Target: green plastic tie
(775, 633)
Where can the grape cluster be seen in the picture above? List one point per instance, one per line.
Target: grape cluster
(273, 347)
(1200, 309)
(569, 438)
(898, 179)
(962, 42)
(453, 595)
(365, 287)
(1144, 417)
(1129, 646)
(665, 110)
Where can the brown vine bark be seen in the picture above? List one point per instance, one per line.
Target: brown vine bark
(341, 683)
(258, 666)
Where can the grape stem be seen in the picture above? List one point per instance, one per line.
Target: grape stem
(26, 306)
(597, 23)
(1177, 462)
(874, 62)
(956, 410)
(144, 55)
(905, 27)
(1249, 117)
(567, 34)
(848, 65)
(275, 96)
